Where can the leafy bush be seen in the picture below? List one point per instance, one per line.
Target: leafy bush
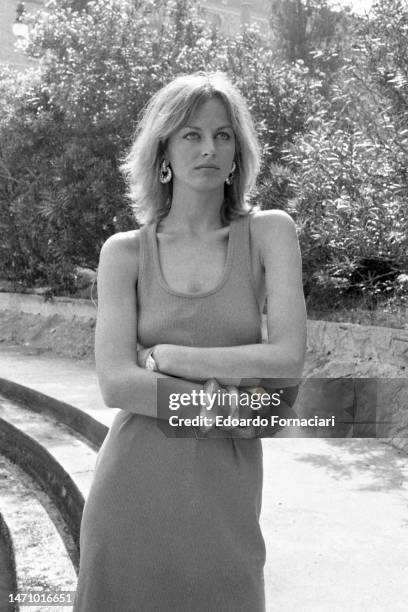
(334, 135)
(350, 167)
(71, 121)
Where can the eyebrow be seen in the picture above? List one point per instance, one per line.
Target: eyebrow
(195, 127)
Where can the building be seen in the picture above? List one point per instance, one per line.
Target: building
(10, 10)
(232, 15)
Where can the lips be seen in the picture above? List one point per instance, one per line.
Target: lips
(209, 166)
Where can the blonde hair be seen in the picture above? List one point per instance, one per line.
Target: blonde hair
(168, 110)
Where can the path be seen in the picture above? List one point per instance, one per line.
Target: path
(335, 512)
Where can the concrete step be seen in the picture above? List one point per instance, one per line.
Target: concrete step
(59, 459)
(38, 539)
(80, 420)
(8, 575)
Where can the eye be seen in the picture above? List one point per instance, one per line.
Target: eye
(224, 135)
(191, 135)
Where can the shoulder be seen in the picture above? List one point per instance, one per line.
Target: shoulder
(120, 253)
(272, 232)
(122, 243)
(263, 223)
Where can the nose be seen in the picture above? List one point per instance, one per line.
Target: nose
(208, 146)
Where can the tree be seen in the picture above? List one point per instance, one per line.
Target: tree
(67, 127)
(351, 164)
(311, 31)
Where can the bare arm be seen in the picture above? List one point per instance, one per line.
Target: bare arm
(123, 383)
(283, 356)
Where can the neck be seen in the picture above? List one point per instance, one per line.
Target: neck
(195, 212)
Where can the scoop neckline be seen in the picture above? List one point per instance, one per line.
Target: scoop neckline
(223, 278)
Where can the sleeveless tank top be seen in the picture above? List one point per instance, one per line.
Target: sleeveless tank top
(227, 315)
(166, 516)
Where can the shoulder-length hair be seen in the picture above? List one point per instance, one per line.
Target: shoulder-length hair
(168, 110)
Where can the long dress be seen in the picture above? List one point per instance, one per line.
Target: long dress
(172, 524)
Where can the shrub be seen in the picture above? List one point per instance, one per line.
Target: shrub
(73, 118)
(335, 146)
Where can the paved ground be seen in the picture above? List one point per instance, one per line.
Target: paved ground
(335, 512)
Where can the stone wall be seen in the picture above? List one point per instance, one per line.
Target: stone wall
(62, 325)
(335, 351)
(375, 351)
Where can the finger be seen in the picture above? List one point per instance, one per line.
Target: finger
(141, 357)
(233, 411)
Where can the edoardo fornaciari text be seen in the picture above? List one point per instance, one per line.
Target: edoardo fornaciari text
(273, 420)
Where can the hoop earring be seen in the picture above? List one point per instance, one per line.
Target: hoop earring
(165, 174)
(230, 178)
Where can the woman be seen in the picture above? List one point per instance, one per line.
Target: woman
(172, 524)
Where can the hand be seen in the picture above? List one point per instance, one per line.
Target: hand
(211, 387)
(230, 407)
(142, 355)
(244, 410)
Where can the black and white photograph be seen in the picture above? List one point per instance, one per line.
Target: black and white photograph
(203, 305)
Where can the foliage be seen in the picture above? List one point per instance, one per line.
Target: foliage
(330, 103)
(351, 167)
(311, 31)
(71, 121)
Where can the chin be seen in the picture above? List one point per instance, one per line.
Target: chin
(208, 185)
(204, 184)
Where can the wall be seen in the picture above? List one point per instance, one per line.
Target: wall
(8, 52)
(335, 351)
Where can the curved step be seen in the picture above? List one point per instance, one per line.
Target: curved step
(8, 574)
(38, 536)
(93, 430)
(58, 459)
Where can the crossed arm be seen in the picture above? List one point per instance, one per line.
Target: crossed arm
(182, 368)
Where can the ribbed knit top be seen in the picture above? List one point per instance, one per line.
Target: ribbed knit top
(171, 523)
(228, 315)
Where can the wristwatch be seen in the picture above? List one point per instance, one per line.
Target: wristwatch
(150, 363)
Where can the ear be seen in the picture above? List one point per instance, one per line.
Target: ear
(163, 151)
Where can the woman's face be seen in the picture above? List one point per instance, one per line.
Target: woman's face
(201, 153)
